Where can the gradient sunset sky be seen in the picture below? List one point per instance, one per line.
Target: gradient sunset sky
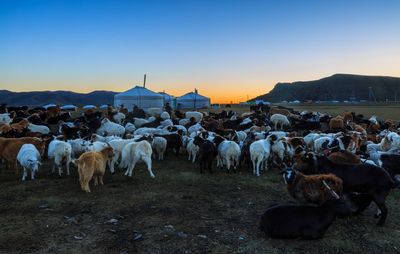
(228, 50)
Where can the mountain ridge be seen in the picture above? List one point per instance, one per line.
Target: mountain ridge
(339, 86)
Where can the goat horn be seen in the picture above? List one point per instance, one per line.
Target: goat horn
(333, 193)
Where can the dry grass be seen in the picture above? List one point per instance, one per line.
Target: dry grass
(225, 208)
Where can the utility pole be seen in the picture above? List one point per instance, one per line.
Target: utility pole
(144, 81)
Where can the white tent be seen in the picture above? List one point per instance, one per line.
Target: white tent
(49, 105)
(139, 96)
(89, 107)
(68, 107)
(192, 100)
(166, 97)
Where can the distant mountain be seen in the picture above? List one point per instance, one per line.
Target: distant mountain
(56, 97)
(336, 87)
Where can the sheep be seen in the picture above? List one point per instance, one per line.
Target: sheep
(5, 118)
(281, 149)
(228, 151)
(154, 111)
(118, 145)
(198, 116)
(315, 189)
(135, 152)
(192, 149)
(138, 122)
(304, 221)
(97, 146)
(184, 121)
(159, 145)
(259, 154)
(239, 136)
(78, 147)
(9, 148)
(29, 158)
(38, 128)
(166, 122)
(92, 165)
(119, 118)
(96, 137)
(109, 128)
(61, 152)
(196, 127)
(130, 128)
(278, 119)
(154, 131)
(165, 115)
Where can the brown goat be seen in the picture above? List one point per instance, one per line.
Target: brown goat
(20, 126)
(92, 165)
(312, 188)
(336, 123)
(344, 157)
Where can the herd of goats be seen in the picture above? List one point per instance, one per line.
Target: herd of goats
(333, 166)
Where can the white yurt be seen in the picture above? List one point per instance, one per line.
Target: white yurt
(69, 107)
(192, 100)
(139, 96)
(167, 98)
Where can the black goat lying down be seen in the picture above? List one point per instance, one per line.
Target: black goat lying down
(302, 221)
(362, 178)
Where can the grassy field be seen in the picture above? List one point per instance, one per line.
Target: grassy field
(180, 211)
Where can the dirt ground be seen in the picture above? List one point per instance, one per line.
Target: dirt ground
(180, 211)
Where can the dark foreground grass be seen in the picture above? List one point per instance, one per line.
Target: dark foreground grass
(180, 211)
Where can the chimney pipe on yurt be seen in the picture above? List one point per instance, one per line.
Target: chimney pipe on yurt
(195, 97)
(144, 81)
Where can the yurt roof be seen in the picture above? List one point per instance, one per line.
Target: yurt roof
(89, 106)
(70, 106)
(192, 96)
(166, 95)
(139, 91)
(49, 105)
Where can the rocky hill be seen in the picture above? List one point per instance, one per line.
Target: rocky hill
(336, 87)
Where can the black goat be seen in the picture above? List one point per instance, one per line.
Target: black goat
(304, 221)
(207, 153)
(362, 178)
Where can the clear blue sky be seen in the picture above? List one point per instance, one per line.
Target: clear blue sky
(226, 49)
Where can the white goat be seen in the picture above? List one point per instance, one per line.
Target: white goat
(135, 152)
(228, 151)
(197, 115)
(38, 128)
(192, 149)
(29, 158)
(119, 117)
(159, 145)
(259, 154)
(5, 118)
(279, 119)
(60, 151)
(109, 128)
(130, 128)
(165, 115)
(154, 111)
(78, 146)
